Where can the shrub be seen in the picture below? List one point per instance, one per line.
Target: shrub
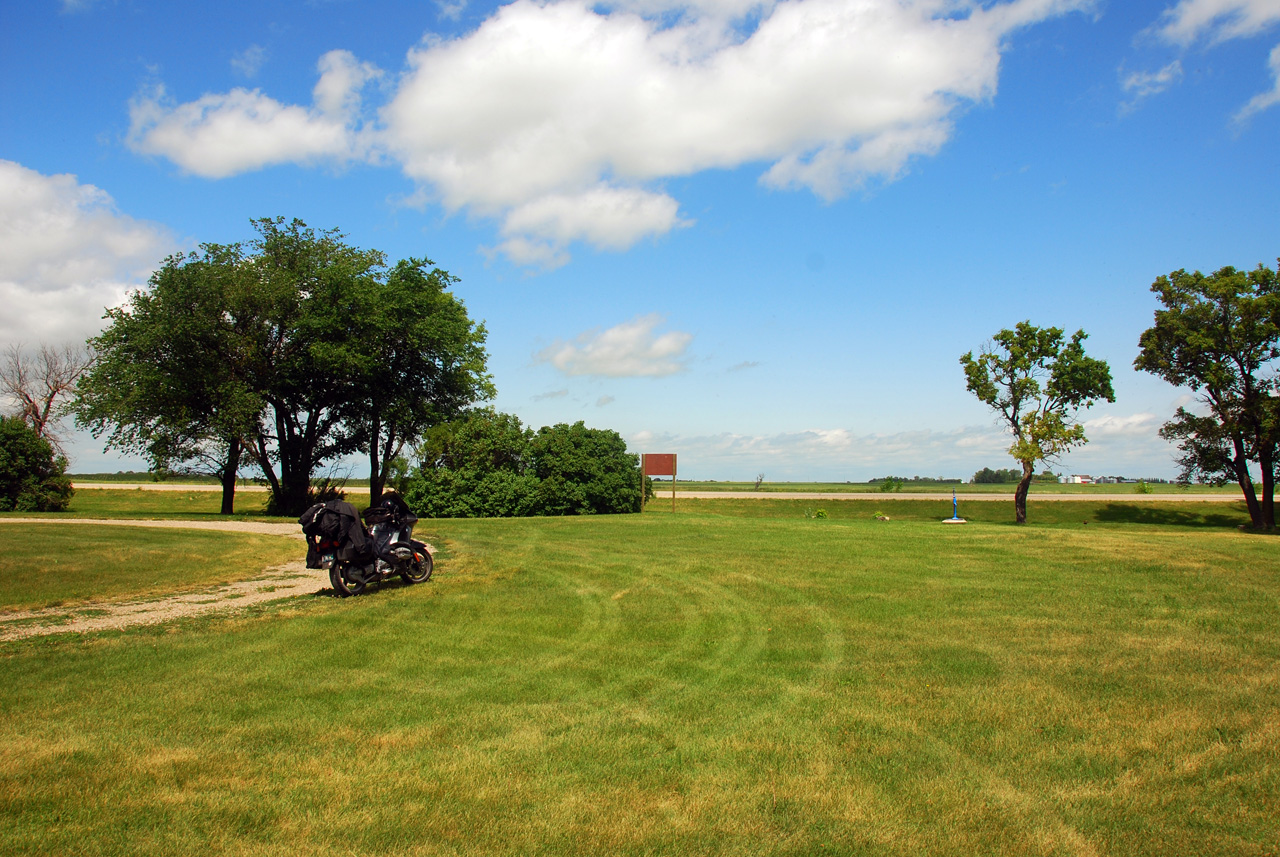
(32, 478)
(488, 465)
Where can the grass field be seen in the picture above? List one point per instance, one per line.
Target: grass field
(50, 565)
(734, 678)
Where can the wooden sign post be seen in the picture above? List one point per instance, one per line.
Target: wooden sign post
(658, 464)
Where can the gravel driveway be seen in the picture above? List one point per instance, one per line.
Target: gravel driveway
(284, 581)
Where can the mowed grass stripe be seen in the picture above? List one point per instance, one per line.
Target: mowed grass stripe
(703, 683)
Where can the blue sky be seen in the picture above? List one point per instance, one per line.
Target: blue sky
(758, 235)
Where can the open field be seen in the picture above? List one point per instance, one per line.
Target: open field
(1049, 488)
(735, 678)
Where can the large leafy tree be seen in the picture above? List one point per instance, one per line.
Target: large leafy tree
(1037, 382)
(1219, 334)
(293, 351)
(172, 380)
(426, 364)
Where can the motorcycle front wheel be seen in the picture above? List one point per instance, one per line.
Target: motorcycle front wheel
(419, 571)
(344, 584)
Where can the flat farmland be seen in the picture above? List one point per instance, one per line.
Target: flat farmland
(732, 678)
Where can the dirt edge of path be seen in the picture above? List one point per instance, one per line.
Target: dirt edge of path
(286, 581)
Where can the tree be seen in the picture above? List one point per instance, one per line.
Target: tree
(1220, 336)
(172, 381)
(294, 350)
(987, 476)
(488, 465)
(37, 385)
(32, 477)
(474, 467)
(1037, 383)
(583, 471)
(427, 363)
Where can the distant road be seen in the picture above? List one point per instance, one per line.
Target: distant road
(659, 494)
(160, 486)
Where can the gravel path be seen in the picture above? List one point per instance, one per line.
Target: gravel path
(286, 581)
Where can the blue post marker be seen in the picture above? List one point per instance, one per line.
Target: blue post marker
(955, 511)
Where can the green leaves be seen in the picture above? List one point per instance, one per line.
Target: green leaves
(488, 465)
(1220, 335)
(1037, 381)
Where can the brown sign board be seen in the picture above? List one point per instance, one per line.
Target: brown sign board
(660, 464)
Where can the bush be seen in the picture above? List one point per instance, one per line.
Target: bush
(488, 465)
(32, 478)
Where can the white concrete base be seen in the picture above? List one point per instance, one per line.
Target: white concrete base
(954, 521)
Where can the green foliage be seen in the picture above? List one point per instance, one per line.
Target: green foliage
(1037, 382)
(32, 477)
(488, 465)
(891, 483)
(987, 476)
(1220, 335)
(295, 350)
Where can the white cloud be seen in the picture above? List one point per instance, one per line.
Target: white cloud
(1263, 100)
(66, 254)
(552, 105)
(629, 350)
(248, 62)
(1141, 84)
(1133, 425)
(840, 454)
(605, 217)
(217, 136)
(558, 118)
(1217, 20)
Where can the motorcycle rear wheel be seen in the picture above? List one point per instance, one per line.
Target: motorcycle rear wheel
(420, 570)
(343, 586)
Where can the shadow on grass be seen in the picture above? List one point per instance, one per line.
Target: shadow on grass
(1190, 515)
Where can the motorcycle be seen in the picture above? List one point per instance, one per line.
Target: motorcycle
(391, 551)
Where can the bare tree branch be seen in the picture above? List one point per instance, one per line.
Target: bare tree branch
(37, 386)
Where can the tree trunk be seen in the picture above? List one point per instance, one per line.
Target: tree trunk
(1245, 481)
(1020, 495)
(377, 472)
(1267, 460)
(229, 473)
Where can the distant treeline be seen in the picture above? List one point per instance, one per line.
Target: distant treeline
(987, 476)
(927, 480)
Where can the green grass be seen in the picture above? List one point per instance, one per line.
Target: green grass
(731, 679)
(145, 504)
(48, 565)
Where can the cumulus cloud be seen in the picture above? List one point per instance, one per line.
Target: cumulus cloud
(608, 218)
(559, 106)
(66, 254)
(633, 349)
(559, 119)
(1217, 20)
(220, 135)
